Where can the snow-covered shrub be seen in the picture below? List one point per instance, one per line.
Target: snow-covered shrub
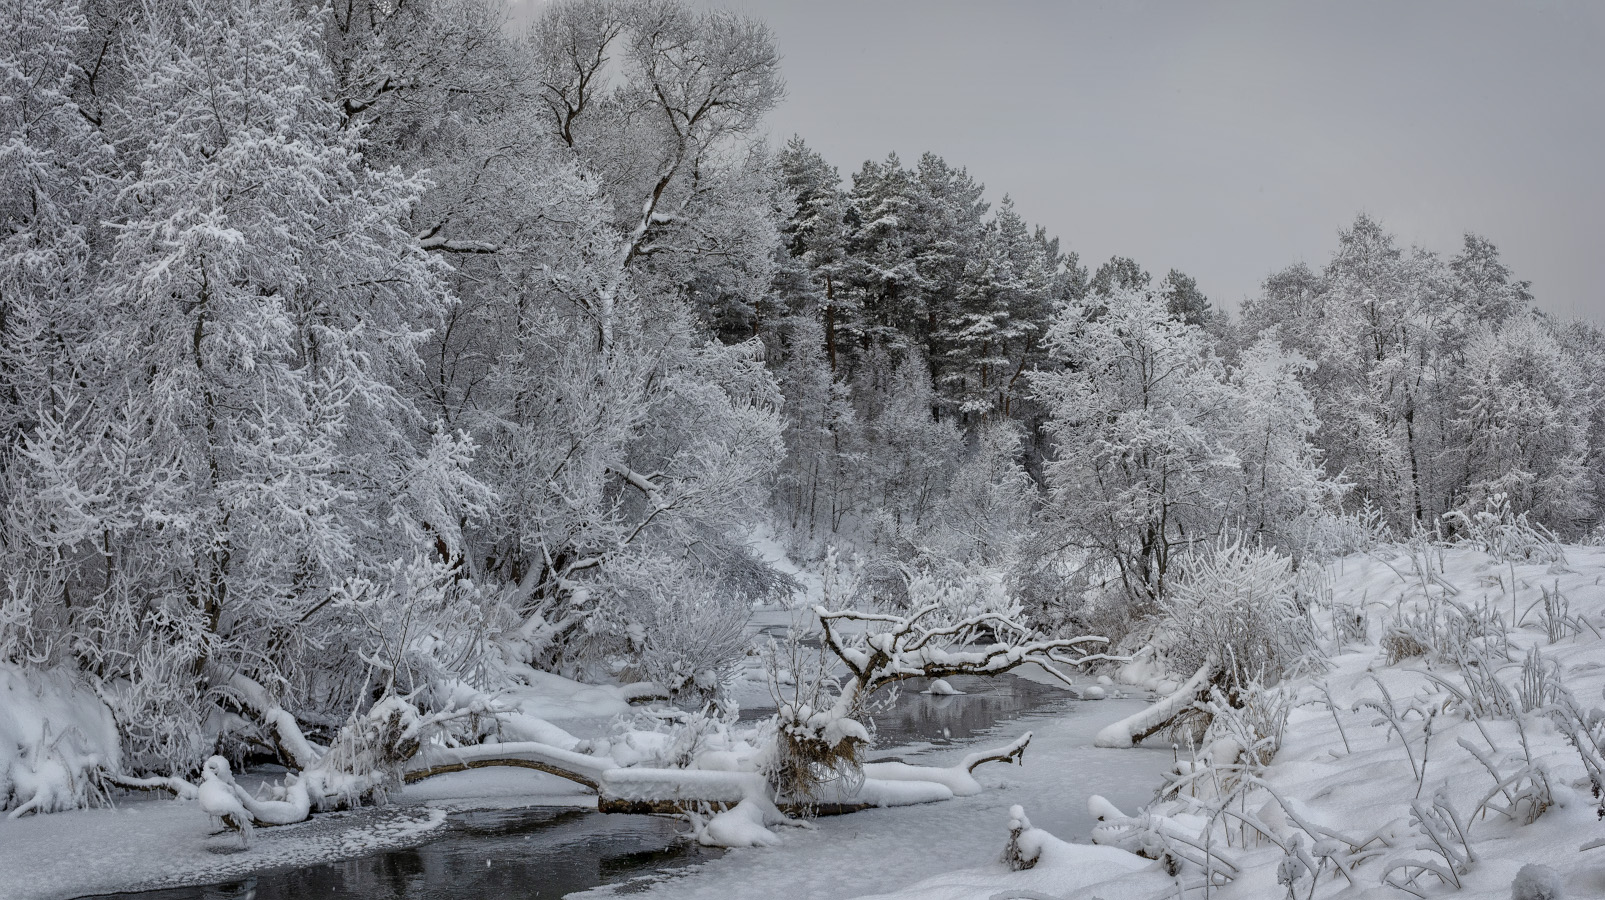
(683, 633)
(365, 759)
(1448, 836)
(1235, 604)
(56, 740)
(1540, 683)
(679, 739)
(1350, 625)
(1250, 730)
(1584, 729)
(1504, 534)
(804, 684)
(1329, 534)
(1446, 628)
(1400, 644)
(1555, 615)
(1522, 791)
(419, 628)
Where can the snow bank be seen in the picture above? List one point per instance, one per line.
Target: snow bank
(1436, 766)
(55, 736)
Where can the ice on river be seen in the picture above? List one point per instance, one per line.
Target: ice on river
(153, 844)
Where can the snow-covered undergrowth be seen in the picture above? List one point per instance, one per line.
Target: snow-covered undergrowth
(55, 738)
(1452, 748)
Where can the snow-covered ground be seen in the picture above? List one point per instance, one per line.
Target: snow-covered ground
(144, 845)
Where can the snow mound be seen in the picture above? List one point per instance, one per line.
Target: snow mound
(1055, 869)
(741, 825)
(1536, 882)
(940, 688)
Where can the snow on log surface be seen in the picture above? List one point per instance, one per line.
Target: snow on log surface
(579, 767)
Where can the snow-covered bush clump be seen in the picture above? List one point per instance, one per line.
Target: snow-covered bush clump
(56, 739)
(1503, 533)
(686, 634)
(1235, 609)
(1535, 882)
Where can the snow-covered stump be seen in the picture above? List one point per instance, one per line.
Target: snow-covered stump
(1133, 728)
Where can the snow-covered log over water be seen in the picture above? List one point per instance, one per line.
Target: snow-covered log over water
(577, 767)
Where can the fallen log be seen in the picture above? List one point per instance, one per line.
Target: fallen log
(580, 768)
(1145, 722)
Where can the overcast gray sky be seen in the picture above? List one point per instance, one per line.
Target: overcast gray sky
(1230, 139)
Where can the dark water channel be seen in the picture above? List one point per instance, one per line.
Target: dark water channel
(545, 852)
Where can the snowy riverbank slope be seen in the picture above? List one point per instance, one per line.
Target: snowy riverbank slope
(1437, 756)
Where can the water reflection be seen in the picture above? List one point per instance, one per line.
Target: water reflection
(916, 717)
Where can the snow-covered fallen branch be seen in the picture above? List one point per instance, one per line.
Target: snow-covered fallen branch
(1139, 725)
(294, 750)
(178, 787)
(960, 779)
(577, 767)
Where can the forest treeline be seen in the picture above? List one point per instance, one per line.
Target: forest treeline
(353, 349)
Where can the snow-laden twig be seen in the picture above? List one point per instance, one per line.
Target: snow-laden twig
(1390, 715)
(1447, 834)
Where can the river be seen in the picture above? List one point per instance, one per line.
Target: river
(550, 852)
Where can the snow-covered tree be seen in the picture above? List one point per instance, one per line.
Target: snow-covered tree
(1139, 416)
(1283, 492)
(1522, 410)
(240, 450)
(55, 177)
